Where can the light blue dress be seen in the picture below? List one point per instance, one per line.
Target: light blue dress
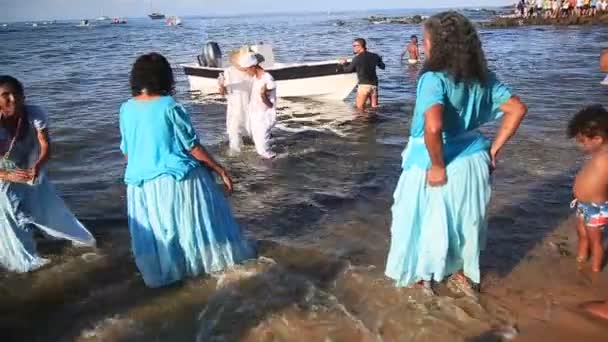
(437, 231)
(27, 207)
(180, 222)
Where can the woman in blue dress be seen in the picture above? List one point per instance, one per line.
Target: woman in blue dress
(440, 203)
(28, 201)
(180, 222)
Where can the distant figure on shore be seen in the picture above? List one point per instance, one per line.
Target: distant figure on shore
(261, 111)
(590, 129)
(180, 222)
(521, 8)
(441, 199)
(236, 84)
(365, 64)
(556, 8)
(593, 10)
(28, 201)
(412, 51)
(539, 8)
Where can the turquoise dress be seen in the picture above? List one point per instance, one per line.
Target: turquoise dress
(180, 222)
(437, 231)
(25, 208)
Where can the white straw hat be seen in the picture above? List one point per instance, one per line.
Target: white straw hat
(247, 60)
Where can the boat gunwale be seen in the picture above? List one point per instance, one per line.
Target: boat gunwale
(288, 72)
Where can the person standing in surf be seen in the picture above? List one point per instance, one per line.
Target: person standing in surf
(236, 85)
(439, 212)
(365, 64)
(28, 201)
(261, 111)
(180, 222)
(412, 51)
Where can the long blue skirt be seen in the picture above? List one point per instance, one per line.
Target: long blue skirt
(25, 208)
(183, 228)
(437, 231)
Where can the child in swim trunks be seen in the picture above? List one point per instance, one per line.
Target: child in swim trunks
(590, 129)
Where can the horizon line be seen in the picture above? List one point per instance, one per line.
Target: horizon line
(222, 14)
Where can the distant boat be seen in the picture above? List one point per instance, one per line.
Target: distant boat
(103, 18)
(118, 21)
(174, 21)
(156, 16)
(84, 23)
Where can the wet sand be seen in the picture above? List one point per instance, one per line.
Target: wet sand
(299, 294)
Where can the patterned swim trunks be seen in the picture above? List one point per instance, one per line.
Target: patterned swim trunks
(595, 215)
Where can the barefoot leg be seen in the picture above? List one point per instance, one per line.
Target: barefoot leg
(597, 248)
(597, 309)
(583, 241)
(361, 100)
(374, 98)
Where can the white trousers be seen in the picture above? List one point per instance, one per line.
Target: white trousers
(261, 123)
(236, 122)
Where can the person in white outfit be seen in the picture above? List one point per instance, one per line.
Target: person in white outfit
(261, 110)
(236, 84)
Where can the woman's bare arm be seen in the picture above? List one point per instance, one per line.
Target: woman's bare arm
(433, 139)
(433, 129)
(45, 150)
(265, 97)
(514, 112)
(200, 153)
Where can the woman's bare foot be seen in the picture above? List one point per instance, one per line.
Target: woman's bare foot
(425, 286)
(459, 284)
(597, 309)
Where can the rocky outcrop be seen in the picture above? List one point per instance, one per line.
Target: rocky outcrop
(539, 21)
(502, 21)
(416, 19)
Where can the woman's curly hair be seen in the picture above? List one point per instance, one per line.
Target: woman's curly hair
(152, 73)
(455, 48)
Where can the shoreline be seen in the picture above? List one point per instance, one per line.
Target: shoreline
(503, 21)
(310, 286)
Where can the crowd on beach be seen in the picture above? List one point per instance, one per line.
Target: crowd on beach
(560, 8)
(182, 225)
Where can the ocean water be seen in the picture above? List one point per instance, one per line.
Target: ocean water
(320, 211)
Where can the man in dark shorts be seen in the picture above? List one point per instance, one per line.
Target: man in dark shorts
(364, 63)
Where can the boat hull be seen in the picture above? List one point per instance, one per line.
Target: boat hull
(321, 81)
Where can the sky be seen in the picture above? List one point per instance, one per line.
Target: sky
(18, 10)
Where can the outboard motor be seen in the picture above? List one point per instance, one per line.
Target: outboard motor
(211, 56)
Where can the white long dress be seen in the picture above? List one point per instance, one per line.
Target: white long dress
(238, 86)
(261, 117)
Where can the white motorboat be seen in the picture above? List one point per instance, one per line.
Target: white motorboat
(118, 21)
(320, 80)
(173, 21)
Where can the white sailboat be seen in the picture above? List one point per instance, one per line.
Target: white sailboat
(155, 15)
(102, 17)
